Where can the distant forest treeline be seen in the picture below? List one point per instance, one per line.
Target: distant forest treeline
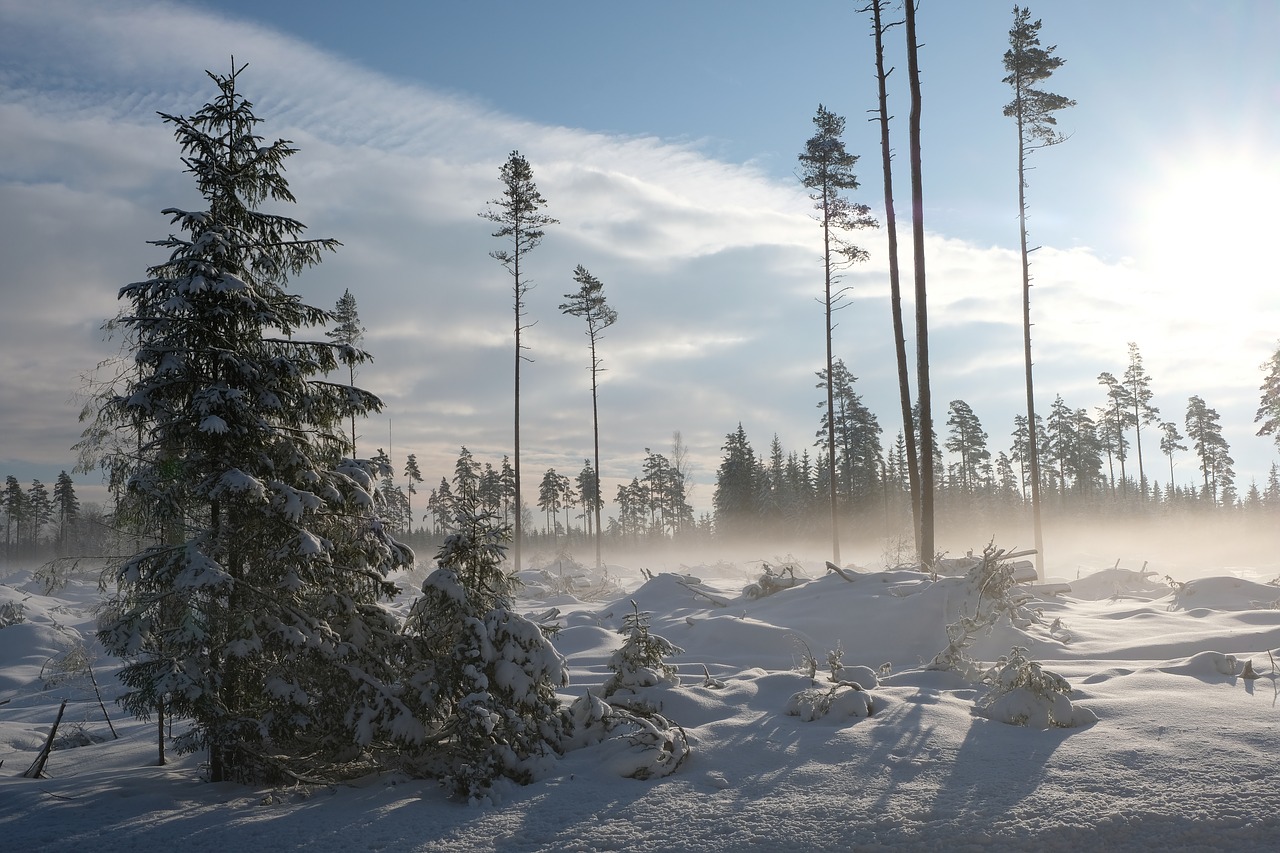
(1121, 457)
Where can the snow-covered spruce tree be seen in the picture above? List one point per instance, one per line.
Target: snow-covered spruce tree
(255, 614)
(640, 662)
(483, 677)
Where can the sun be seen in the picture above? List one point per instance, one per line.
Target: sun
(1211, 216)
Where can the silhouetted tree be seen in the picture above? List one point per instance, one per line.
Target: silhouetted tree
(349, 333)
(928, 444)
(589, 303)
(1029, 65)
(1269, 406)
(878, 29)
(520, 220)
(826, 170)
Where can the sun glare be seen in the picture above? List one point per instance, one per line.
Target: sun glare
(1210, 218)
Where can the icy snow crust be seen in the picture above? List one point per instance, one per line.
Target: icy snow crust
(1182, 756)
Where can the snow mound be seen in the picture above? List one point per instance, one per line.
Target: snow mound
(1226, 593)
(1119, 583)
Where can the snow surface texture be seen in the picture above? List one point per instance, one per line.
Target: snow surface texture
(1182, 755)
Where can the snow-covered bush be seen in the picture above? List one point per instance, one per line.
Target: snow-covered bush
(644, 745)
(992, 588)
(1023, 693)
(483, 677)
(12, 613)
(840, 700)
(771, 581)
(640, 662)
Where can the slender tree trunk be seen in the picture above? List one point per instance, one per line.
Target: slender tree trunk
(831, 409)
(895, 290)
(595, 429)
(352, 369)
(1026, 342)
(927, 549)
(1137, 439)
(515, 462)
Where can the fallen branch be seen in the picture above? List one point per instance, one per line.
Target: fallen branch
(832, 567)
(36, 770)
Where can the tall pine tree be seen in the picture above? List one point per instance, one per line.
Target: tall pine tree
(520, 220)
(1033, 109)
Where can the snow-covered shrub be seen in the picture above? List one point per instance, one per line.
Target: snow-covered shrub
(640, 662)
(770, 581)
(12, 613)
(483, 677)
(840, 700)
(645, 745)
(1023, 693)
(992, 587)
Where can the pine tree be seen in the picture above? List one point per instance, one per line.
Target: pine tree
(1269, 406)
(826, 170)
(413, 476)
(1138, 384)
(1117, 419)
(969, 440)
(1029, 65)
(257, 615)
(67, 507)
(1170, 441)
(349, 333)
(589, 303)
(15, 515)
(1205, 431)
(39, 509)
(519, 219)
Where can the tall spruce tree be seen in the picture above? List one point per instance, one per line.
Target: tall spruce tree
(588, 302)
(520, 220)
(1033, 109)
(826, 170)
(257, 614)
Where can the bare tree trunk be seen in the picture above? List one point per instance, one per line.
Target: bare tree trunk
(595, 429)
(1032, 438)
(927, 548)
(895, 290)
(517, 534)
(831, 409)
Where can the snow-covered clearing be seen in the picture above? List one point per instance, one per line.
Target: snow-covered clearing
(1182, 757)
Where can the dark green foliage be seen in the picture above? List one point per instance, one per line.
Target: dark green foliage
(255, 611)
(484, 677)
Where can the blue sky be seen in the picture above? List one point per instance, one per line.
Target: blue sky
(664, 136)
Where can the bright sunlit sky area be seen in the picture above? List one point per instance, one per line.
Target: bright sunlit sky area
(664, 136)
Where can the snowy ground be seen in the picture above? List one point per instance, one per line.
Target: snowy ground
(1182, 757)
